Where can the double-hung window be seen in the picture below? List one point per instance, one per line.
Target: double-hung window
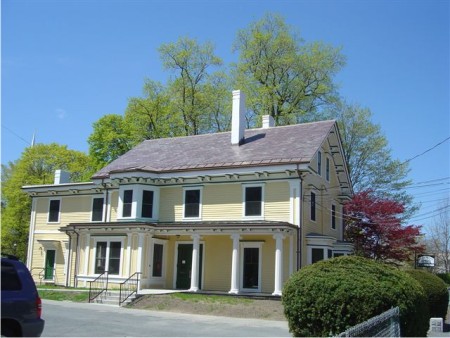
(313, 206)
(192, 203)
(54, 211)
(253, 201)
(97, 209)
(147, 204)
(127, 203)
(158, 250)
(107, 256)
(319, 163)
(327, 169)
(333, 217)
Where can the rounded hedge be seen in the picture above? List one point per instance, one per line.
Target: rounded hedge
(328, 297)
(435, 291)
(445, 277)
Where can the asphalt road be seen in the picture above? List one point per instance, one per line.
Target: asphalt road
(67, 319)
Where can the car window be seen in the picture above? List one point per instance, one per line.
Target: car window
(10, 279)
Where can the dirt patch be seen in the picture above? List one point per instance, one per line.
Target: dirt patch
(227, 306)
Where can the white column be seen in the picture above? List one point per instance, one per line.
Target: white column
(139, 257)
(235, 265)
(86, 253)
(139, 252)
(291, 254)
(278, 264)
(127, 270)
(195, 263)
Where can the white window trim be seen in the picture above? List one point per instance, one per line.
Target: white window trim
(162, 278)
(108, 240)
(136, 205)
(252, 185)
(241, 258)
(200, 208)
(103, 209)
(59, 211)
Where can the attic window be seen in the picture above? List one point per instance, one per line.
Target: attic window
(319, 163)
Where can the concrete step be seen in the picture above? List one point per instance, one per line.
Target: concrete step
(112, 298)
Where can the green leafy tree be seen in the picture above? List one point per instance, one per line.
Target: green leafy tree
(369, 158)
(36, 166)
(110, 138)
(191, 62)
(282, 75)
(151, 116)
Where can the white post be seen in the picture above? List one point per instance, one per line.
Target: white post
(139, 257)
(278, 264)
(195, 263)
(127, 268)
(235, 265)
(86, 254)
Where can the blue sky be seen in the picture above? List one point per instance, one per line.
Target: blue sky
(67, 63)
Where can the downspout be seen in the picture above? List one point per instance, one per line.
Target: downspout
(68, 259)
(75, 280)
(105, 212)
(299, 228)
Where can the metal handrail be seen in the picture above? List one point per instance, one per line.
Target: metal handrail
(102, 282)
(40, 273)
(128, 287)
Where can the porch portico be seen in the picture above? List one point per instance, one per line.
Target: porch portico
(227, 257)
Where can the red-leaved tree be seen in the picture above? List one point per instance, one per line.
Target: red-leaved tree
(375, 228)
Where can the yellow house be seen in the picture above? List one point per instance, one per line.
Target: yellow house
(235, 212)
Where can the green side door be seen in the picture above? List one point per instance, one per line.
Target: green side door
(49, 264)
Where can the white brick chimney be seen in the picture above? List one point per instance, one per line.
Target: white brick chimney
(61, 177)
(238, 118)
(268, 121)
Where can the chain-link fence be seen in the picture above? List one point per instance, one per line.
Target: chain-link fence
(385, 325)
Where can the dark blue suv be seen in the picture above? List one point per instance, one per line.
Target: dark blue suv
(21, 305)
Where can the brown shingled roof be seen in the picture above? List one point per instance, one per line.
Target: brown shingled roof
(276, 145)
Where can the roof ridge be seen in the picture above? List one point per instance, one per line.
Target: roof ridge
(251, 129)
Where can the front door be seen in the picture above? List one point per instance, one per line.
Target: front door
(184, 266)
(49, 264)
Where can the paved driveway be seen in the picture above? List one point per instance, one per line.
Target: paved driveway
(67, 319)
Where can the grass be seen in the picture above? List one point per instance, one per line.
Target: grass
(73, 296)
(197, 298)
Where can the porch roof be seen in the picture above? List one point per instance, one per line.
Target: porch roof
(211, 227)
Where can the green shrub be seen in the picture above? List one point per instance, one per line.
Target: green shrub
(328, 297)
(435, 290)
(445, 277)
